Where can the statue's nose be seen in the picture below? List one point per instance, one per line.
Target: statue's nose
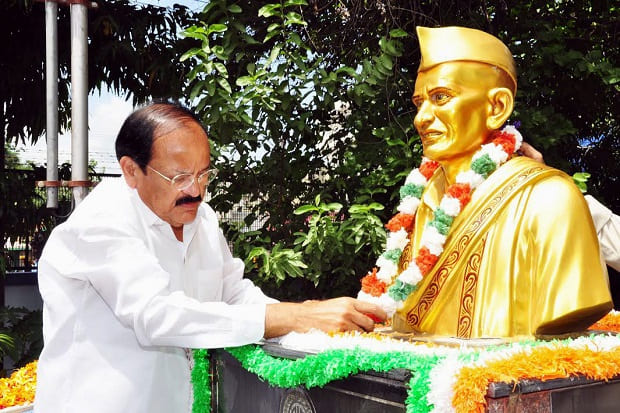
(424, 117)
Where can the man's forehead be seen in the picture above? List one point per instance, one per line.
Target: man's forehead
(178, 127)
(188, 139)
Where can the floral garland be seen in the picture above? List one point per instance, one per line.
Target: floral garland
(445, 379)
(19, 389)
(201, 382)
(385, 286)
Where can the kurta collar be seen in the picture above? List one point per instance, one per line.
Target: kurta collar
(152, 220)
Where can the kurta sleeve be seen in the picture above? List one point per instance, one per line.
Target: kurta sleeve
(607, 226)
(117, 264)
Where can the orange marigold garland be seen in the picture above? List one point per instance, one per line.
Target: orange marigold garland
(401, 221)
(540, 363)
(611, 322)
(372, 285)
(19, 389)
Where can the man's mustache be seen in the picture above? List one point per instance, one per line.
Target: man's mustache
(188, 200)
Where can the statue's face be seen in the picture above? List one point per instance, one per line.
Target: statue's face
(453, 105)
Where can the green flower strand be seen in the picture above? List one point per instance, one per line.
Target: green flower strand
(393, 255)
(399, 291)
(420, 386)
(411, 190)
(483, 165)
(338, 364)
(441, 221)
(201, 382)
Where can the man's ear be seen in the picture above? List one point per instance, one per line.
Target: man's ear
(130, 171)
(501, 103)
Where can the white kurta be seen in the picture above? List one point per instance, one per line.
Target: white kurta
(123, 298)
(608, 230)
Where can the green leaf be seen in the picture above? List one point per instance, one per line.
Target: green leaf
(305, 208)
(334, 206)
(386, 62)
(273, 55)
(270, 35)
(221, 69)
(580, 179)
(395, 33)
(244, 81)
(217, 28)
(272, 27)
(294, 18)
(188, 54)
(581, 176)
(210, 87)
(224, 84)
(220, 52)
(269, 10)
(196, 89)
(289, 3)
(389, 47)
(233, 8)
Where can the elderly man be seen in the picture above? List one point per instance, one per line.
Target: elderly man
(141, 272)
(502, 246)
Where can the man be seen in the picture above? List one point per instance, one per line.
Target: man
(521, 258)
(140, 272)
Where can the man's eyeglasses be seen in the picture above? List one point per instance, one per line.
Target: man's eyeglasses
(183, 181)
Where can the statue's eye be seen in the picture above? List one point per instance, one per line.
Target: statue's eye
(441, 97)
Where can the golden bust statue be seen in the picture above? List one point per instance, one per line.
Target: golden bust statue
(519, 256)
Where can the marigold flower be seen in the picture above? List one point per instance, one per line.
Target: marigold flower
(20, 387)
(428, 168)
(425, 260)
(462, 192)
(372, 285)
(506, 141)
(401, 220)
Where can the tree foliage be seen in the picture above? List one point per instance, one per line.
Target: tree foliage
(132, 51)
(307, 104)
(307, 99)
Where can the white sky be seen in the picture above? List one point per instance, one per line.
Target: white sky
(106, 113)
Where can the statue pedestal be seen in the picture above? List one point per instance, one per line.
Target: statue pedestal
(571, 395)
(236, 390)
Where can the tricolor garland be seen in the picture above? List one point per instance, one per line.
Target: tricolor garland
(445, 378)
(385, 285)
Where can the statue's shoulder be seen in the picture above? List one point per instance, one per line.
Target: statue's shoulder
(545, 185)
(533, 172)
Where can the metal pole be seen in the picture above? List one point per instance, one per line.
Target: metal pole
(79, 99)
(51, 87)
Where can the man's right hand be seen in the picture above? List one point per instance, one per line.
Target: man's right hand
(337, 314)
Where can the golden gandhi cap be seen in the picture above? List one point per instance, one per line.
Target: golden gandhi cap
(448, 44)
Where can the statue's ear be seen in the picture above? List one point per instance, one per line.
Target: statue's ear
(501, 103)
(130, 169)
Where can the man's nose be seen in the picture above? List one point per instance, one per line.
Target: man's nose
(193, 189)
(424, 117)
